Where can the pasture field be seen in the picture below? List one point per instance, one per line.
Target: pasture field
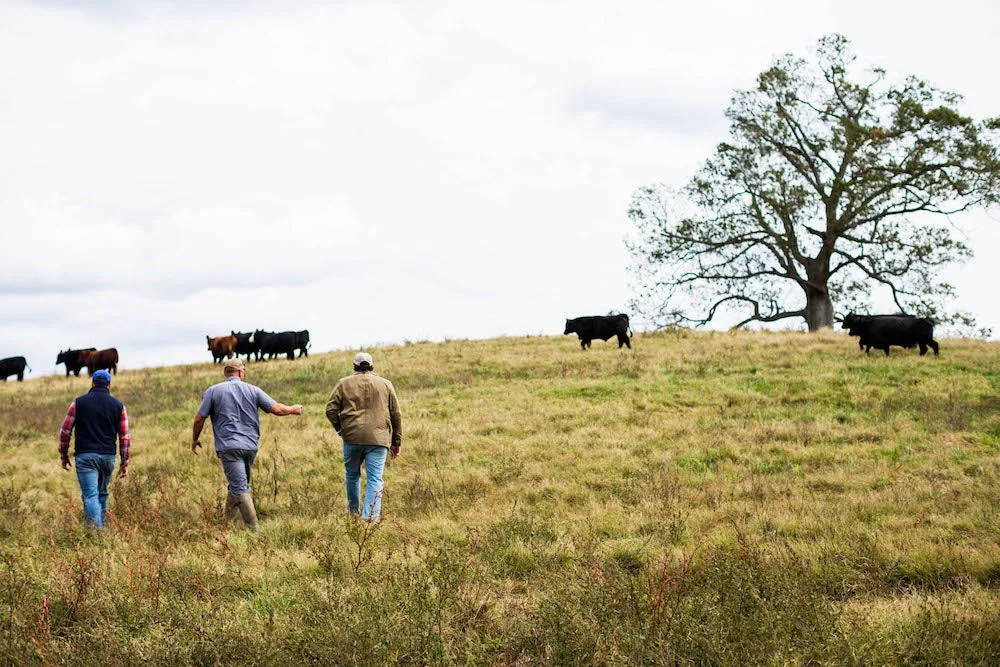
(723, 498)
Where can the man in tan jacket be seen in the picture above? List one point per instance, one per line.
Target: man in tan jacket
(365, 412)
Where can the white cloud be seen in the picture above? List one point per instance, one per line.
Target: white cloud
(373, 171)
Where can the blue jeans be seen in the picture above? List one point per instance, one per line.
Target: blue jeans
(94, 473)
(373, 456)
(236, 464)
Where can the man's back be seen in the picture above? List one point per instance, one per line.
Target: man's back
(232, 405)
(363, 408)
(98, 417)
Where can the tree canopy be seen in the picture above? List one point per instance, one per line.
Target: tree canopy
(826, 190)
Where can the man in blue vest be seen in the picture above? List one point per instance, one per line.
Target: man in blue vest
(99, 419)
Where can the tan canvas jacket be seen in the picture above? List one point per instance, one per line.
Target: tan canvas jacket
(364, 410)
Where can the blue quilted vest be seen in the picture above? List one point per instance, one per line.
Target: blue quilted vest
(98, 419)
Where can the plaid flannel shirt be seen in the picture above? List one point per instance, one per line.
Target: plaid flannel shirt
(124, 436)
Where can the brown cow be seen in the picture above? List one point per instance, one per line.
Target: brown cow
(96, 360)
(221, 347)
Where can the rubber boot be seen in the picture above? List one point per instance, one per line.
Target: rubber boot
(232, 507)
(248, 511)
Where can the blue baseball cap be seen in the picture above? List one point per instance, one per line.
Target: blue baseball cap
(101, 377)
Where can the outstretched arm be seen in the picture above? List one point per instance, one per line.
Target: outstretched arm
(282, 410)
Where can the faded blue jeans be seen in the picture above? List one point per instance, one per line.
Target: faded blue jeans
(373, 456)
(94, 473)
(236, 464)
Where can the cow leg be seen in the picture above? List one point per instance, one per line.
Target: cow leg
(934, 346)
(20, 376)
(114, 368)
(886, 350)
(923, 348)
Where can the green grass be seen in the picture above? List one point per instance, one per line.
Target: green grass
(725, 498)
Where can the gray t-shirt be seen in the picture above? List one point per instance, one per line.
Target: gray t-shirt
(233, 405)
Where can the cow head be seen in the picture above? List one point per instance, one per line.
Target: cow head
(61, 359)
(569, 327)
(209, 339)
(856, 324)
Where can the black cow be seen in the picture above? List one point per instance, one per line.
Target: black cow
(272, 344)
(72, 360)
(13, 366)
(600, 326)
(881, 331)
(247, 344)
(302, 342)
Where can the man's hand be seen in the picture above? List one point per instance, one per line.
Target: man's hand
(296, 409)
(394, 452)
(195, 446)
(66, 464)
(123, 470)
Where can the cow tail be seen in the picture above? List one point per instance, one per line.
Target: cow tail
(29, 366)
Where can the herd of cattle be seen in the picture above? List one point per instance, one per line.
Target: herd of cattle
(259, 344)
(878, 331)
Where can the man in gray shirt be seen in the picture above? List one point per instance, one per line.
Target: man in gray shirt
(233, 406)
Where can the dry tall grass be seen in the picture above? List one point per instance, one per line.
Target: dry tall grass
(706, 497)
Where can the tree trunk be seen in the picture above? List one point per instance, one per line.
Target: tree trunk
(819, 309)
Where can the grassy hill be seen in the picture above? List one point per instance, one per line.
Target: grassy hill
(731, 498)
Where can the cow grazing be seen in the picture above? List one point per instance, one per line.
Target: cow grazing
(272, 344)
(96, 360)
(247, 344)
(72, 360)
(221, 347)
(13, 366)
(882, 331)
(600, 326)
(302, 342)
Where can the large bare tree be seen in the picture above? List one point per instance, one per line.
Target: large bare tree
(822, 194)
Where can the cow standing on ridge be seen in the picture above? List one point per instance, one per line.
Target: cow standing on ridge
(74, 364)
(106, 359)
(272, 344)
(13, 366)
(221, 347)
(882, 331)
(247, 344)
(600, 326)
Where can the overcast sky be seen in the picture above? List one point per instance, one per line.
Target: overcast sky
(379, 172)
